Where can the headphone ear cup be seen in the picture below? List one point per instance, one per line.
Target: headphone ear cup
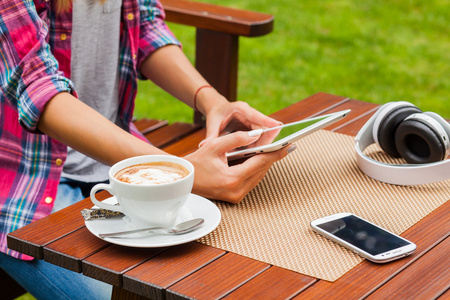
(388, 126)
(419, 143)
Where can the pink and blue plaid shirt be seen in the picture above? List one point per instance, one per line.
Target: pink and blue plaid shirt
(35, 53)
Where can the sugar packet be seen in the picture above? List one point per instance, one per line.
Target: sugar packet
(99, 213)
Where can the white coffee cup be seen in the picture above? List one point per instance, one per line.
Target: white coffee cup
(147, 204)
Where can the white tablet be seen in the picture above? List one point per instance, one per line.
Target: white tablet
(275, 138)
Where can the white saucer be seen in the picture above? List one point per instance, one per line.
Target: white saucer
(195, 207)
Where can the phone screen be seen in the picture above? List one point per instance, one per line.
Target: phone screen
(363, 235)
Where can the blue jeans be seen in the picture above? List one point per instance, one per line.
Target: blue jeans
(47, 281)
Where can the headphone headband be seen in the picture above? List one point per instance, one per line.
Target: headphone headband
(404, 174)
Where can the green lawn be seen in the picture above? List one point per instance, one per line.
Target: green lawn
(376, 51)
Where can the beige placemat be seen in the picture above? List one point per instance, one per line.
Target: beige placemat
(320, 178)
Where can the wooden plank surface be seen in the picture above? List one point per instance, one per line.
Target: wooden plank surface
(31, 238)
(431, 277)
(153, 277)
(217, 279)
(109, 264)
(67, 254)
(148, 125)
(171, 133)
(274, 283)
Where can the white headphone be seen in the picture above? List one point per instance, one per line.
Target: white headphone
(403, 130)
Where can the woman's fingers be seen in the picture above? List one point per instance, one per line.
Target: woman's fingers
(215, 179)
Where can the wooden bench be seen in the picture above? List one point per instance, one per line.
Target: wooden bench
(218, 30)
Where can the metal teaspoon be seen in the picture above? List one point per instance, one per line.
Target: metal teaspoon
(177, 229)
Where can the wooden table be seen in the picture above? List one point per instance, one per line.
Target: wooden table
(197, 271)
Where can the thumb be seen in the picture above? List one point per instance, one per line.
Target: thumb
(213, 127)
(212, 130)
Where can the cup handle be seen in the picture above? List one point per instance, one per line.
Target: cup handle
(106, 187)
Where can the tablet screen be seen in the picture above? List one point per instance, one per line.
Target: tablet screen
(285, 131)
(291, 128)
(281, 136)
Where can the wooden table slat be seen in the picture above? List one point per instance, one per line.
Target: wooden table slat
(109, 264)
(169, 267)
(119, 293)
(148, 125)
(446, 294)
(431, 277)
(274, 283)
(187, 145)
(359, 115)
(312, 106)
(218, 278)
(68, 254)
(354, 125)
(171, 133)
(31, 238)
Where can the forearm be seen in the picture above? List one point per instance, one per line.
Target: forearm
(170, 69)
(75, 124)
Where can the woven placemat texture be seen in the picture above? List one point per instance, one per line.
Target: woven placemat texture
(320, 178)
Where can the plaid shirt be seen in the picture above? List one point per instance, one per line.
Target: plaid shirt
(35, 53)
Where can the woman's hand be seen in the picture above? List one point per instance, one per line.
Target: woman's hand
(222, 115)
(215, 179)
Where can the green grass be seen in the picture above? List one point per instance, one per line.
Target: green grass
(375, 51)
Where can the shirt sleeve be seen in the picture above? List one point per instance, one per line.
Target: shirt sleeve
(154, 32)
(29, 72)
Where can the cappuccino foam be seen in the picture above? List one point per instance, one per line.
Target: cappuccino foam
(152, 173)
